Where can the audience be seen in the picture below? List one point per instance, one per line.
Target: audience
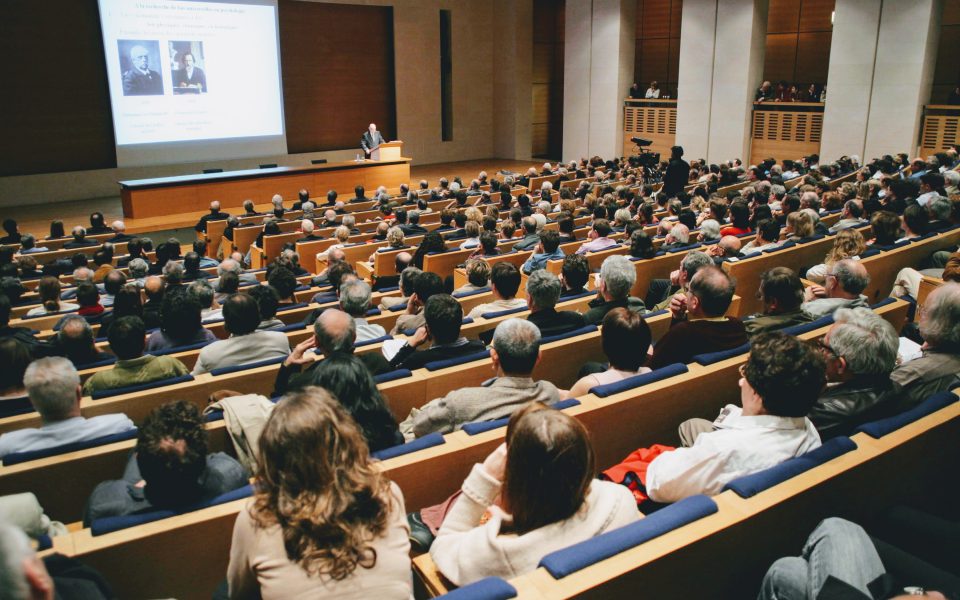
(625, 338)
(133, 367)
(781, 293)
(169, 468)
(443, 318)
(181, 324)
(616, 280)
(514, 354)
(540, 494)
(843, 283)
(504, 283)
(246, 343)
(54, 390)
(324, 519)
(543, 292)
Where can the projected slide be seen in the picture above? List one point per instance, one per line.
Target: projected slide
(182, 71)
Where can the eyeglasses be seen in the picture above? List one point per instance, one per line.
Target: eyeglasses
(825, 346)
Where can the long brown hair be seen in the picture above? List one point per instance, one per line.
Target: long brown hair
(49, 291)
(316, 481)
(848, 243)
(550, 465)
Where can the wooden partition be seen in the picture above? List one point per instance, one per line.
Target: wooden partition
(940, 128)
(655, 120)
(786, 130)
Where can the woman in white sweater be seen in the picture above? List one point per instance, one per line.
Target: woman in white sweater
(548, 500)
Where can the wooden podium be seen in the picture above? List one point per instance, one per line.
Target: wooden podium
(388, 151)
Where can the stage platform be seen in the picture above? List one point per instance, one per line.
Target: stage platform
(36, 218)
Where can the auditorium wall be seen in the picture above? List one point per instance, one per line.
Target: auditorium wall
(477, 131)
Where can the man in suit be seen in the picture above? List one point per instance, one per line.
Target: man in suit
(678, 172)
(307, 228)
(140, 80)
(543, 292)
(358, 195)
(444, 318)
(119, 233)
(371, 140)
(215, 215)
(189, 79)
(80, 239)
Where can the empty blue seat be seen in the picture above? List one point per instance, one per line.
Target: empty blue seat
(709, 358)
(174, 350)
(575, 296)
(372, 341)
(291, 307)
(751, 485)
(878, 429)
(110, 524)
(490, 588)
(22, 457)
(578, 556)
(636, 381)
(427, 441)
(141, 387)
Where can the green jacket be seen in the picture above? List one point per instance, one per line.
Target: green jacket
(145, 369)
(762, 323)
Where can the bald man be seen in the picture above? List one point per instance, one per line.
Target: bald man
(140, 80)
(371, 140)
(215, 214)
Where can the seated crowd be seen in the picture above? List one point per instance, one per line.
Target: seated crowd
(323, 519)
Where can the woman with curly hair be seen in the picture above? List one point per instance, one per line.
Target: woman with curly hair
(848, 244)
(324, 522)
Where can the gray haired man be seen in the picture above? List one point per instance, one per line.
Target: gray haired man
(355, 301)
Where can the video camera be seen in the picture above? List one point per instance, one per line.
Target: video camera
(650, 161)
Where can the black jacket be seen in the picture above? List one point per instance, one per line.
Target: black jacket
(676, 177)
(841, 408)
(409, 358)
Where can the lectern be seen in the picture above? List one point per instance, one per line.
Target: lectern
(388, 151)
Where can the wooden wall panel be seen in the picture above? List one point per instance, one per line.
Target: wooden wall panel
(658, 44)
(783, 16)
(815, 15)
(781, 56)
(951, 12)
(947, 74)
(547, 78)
(56, 103)
(541, 103)
(813, 57)
(332, 86)
(656, 19)
(656, 53)
(543, 59)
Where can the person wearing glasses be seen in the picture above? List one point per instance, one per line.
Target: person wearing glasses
(860, 351)
(779, 384)
(842, 286)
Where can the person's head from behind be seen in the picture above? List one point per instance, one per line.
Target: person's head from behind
(543, 290)
(127, 302)
(426, 285)
(549, 467)
(49, 290)
(53, 386)
(87, 294)
(617, 276)
(15, 356)
(10, 226)
(915, 219)
(625, 338)
(846, 279)
(575, 271)
(860, 343)
(478, 272)
(516, 347)
(783, 376)
(76, 340)
(781, 291)
(241, 314)
(355, 297)
(172, 454)
(284, 281)
(444, 317)
(114, 281)
(505, 280)
(940, 318)
(267, 299)
(23, 574)
(335, 332)
(180, 317)
(316, 481)
(801, 224)
(202, 292)
(349, 380)
(710, 292)
(127, 338)
(886, 227)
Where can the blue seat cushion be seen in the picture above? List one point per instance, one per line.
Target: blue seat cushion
(574, 333)
(878, 429)
(883, 302)
(710, 358)
(452, 362)
(15, 406)
(100, 363)
(371, 341)
(683, 248)
(427, 441)
(398, 307)
(501, 313)
(806, 327)
(110, 524)
(489, 588)
(291, 327)
(21, 457)
(482, 290)
(260, 363)
(291, 307)
(580, 295)
(574, 558)
(481, 426)
(655, 313)
(141, 387)
(175, 349)
(751, 485)
(636, 381)
(392, 375)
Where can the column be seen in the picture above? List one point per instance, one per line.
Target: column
(853, 49)
(513, 57)
(737, 70)
(578, 28)
(695, 84)
(903, 75)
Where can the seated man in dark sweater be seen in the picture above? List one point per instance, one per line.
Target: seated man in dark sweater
(543, 291)
(170, 468)
(444, 317)
(699, 325)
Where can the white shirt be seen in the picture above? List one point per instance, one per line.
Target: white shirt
(68, 431)
(496, 306)
(652, 93)
(925, 199)
(368, 331)
(742, 445)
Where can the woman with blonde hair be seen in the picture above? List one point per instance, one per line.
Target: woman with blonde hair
(799, 226)
(342, 233)
(324, 522)
(49, 291)
(847, 244)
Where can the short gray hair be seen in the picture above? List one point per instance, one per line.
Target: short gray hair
(543, 288)
(335, 340)
(517, 342)
(395, 236)
(173, 272)
(939, 208)
(710, 229)
(940, 321)
(202, 291)
(355, 297)
(306, 226)
(693, 262)
(681, 233)
(14, 550)
(229, 266)
(52, 386)
(865, 340)
(951, 177)
(851, 279)
(138, 268)
(348, 221)
(618, 275)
